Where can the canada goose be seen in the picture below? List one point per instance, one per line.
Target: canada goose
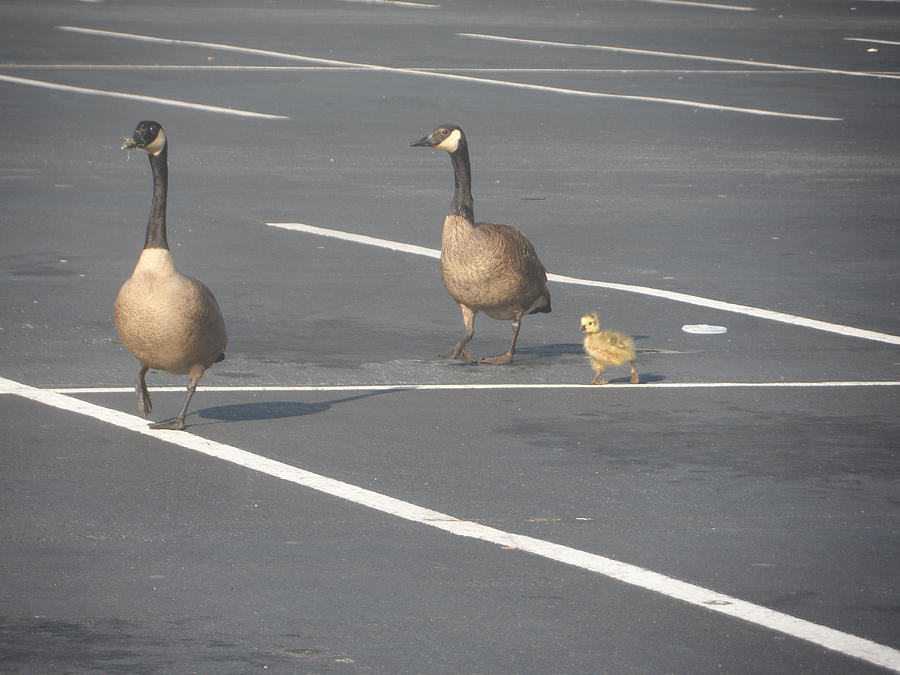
(606, 348)
(486, 267)
(167, 320)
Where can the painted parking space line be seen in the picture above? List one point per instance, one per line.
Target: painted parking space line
(452, 76)
(705, 5)
(486, 387)
(770, 315)
(164, 67)
(873, 41)
(829, 638)
(484, 69)
(677, 55)
(139, 97)
(397, 3)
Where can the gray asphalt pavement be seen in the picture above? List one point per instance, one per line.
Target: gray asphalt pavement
(647, 150)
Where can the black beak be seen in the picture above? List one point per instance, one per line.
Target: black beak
(144, 135)
(425, 141)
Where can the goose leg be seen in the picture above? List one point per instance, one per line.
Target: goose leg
(459, 349)
(143, 396)
(178, 423)
(635, 379)
(508, 356)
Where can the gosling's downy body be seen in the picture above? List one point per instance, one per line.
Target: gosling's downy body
(166, 320)
(486, 267)
(606, 348)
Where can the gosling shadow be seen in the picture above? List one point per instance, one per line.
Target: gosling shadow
(524, 355)
(546, 351)
(561, 349)
(626, 379)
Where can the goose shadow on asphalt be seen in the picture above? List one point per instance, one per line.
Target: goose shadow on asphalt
(271, 410)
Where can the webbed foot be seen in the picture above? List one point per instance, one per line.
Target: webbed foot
(176, 424)
(499, 360)
(457, 353)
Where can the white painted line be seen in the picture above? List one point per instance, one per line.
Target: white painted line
(575, 71)
(877, 42)
(399, 3)
(454, 76)
(205, 67)
(707, 5)
(781, 317)
(162, 66)
(138, 97)
(224, 47)
(770, 315)
(359, 239)
(677, 55)
(829, 638)
(626, 71)
(486, 387)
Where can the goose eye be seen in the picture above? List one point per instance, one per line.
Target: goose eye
(445, 131)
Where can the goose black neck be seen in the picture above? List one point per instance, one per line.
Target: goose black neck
(156, 225)
(463, 202)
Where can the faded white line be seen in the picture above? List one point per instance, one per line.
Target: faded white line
(706, 5)
(677, 55)
(359, 239)
(206, 67)
(139, 97)
(488, 387)
(454, 76)
(399, 3)
(877, 42)
(163, 66)
(757, 312)
(829, 638)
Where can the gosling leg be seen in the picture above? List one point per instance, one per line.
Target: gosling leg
(459, 349)
(177, 424)
(143, 396)
(598, 373)
(508, 356)
(635, 379)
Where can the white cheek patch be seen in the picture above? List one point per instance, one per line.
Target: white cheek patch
(158, 143)
(451, 143)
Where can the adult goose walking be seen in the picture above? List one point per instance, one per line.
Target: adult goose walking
(166, 320)
(486, 267)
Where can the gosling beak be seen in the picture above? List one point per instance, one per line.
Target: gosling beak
(582, 328)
